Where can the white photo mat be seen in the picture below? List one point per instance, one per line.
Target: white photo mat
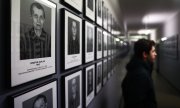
(77, 4)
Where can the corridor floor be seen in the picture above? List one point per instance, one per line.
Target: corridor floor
(167, 95)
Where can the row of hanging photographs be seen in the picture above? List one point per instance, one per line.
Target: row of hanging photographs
(96, 76)
(102, 41)
(94, 10)
(33, 34)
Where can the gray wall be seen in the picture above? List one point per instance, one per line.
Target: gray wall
(169, 67)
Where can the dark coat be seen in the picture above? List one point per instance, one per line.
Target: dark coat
(138, 90)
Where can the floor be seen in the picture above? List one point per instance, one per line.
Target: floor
(167, 96)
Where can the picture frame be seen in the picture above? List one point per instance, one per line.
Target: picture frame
(109, 67)
(104, 43)
(109, 44)
(90, 9)
(98, 76)
(32, 52)
(73, 90)
(104, 13)
(105, 71)
(90, 84)
(109, 21)
(99, 43)
(43, 96)
(72, 40)
(99, 12)
(89, 42)
(76, 4)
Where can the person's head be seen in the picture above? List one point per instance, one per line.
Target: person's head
(74, 29)
(40, 102)
(145, 49)
(38, 15)
(74, 87)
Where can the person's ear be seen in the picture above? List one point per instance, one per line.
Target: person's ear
(145, 55)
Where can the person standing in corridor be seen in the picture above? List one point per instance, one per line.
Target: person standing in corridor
(138, 88)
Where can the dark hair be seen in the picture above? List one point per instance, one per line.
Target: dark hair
(39, 6)
(39, 97)
(143, 45)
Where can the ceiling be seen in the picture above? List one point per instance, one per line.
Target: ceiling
(133, 11)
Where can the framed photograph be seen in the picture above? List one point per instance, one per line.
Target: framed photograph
(109, 21)
(104, 43)
(73, 90)
(98, 43)
(42, 97)
(104, 13)
(90, 84)
(98, 76)
(33, 31)
(99, 12)
(105, 71)
(109, 44)
(89, 42)
(109, 67)
(77, 4)
(90, 9)
(72, 40)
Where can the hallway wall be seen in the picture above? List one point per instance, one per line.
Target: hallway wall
(168, 66)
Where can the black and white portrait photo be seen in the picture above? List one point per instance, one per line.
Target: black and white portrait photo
(72, 39)
(99, 12)
(33, 39)
(98, 43)
(35, 33)
(90, 83)
(104, 44)
(90, 4)
(98, 76)
(43, 100)
(73, 88)
(99, 8)
(73, 92)
(89, 41)
(43, 97)
(90, 9)
(105, 71)
(73, 36)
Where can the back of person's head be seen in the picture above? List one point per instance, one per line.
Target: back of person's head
(143, 45)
